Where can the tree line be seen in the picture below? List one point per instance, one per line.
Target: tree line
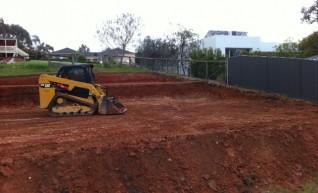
(30, 44)
(182, 43)
(125, 28)
(33, 46)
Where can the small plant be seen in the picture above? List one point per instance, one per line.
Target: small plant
(249, 180)
(81, 58)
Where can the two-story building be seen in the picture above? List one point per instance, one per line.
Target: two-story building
(232, 43)
(9, 51)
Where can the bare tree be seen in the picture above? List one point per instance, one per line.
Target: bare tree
(186, 40)
(119, 32)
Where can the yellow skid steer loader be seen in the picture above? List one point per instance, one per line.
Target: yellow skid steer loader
(73, 92)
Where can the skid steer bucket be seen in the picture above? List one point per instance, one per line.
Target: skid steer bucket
(111, 106)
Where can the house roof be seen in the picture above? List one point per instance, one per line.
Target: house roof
(65, 51)
(115, 52)
(108, 52)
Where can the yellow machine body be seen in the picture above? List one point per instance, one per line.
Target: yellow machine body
(57, 95)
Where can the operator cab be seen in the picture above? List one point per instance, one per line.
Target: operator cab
(81, 73)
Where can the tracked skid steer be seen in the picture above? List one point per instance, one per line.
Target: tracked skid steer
(73, 92)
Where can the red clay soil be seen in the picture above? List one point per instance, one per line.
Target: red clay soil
(179, 136)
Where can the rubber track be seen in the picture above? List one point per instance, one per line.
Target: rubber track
(52, 114)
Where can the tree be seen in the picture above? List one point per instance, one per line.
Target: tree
(157, 48)
(40, 49)
(36, 40)
(309, 45)
(17, 32)
(83, 49)
(310, 14)
(3, 28)
(288, 49)
(45, 48)
(216, 60)
(22, 35)
(186, 40)
(119, 32)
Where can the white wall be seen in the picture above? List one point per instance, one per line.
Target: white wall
(228, 41)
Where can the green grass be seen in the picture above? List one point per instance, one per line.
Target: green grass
(35, 67)
(26, 68)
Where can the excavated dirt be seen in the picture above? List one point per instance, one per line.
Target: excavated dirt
(177, 136)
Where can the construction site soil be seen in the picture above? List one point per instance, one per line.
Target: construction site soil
(177, 136)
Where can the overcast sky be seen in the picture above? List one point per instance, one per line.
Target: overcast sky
(70, 23)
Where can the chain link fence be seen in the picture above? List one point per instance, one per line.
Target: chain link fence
(209, 70)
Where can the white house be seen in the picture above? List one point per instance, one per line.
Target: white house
(232, 43)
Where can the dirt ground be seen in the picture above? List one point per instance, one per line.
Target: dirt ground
(177, 136)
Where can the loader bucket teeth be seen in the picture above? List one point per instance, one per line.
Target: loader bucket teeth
(111, 106)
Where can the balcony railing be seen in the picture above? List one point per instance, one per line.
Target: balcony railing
(8, 49)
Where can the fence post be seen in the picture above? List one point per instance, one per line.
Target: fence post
(301, 79)
(141, 63)
(166, 66)
(177, 68)
(190, 70)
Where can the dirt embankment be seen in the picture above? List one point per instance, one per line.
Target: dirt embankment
(177, 136)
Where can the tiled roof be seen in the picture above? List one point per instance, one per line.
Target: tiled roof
(64, 51)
